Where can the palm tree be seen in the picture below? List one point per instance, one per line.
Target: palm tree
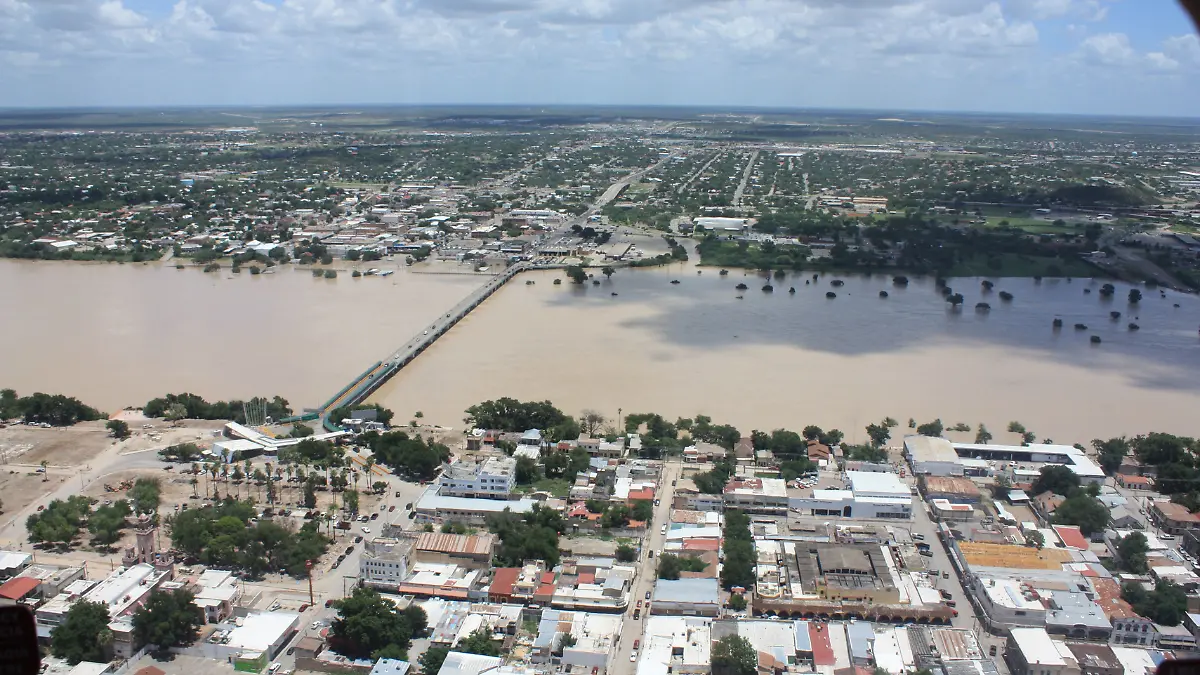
(270, 497)
(212, 469)
(354, 474)
(195, 484)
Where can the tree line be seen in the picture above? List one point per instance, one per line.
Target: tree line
(191, 406)
(510, 415)
(54, 409)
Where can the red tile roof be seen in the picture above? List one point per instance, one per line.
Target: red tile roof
(822, 650)
(15, 589)
(698, 544)
(587, 578)
(642, 494)
(503, 581)
(547, 577)
(1072, 537)
(545, 590)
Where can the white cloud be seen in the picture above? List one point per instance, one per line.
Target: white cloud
(909, 53)
(1108, 49)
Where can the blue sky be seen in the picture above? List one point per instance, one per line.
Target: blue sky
(1128, 57)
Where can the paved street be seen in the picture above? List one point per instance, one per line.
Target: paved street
(631, 629)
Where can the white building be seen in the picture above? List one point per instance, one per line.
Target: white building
(595, 637)
(675, 644)
(871, 495)
(493, 478)
(435, 508)
(384, 563)
(940, 457)
(1007, 601)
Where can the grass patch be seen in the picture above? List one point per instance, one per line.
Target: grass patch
(555, 486)
(1015, 265)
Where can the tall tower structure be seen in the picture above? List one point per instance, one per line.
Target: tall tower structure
(146, 532)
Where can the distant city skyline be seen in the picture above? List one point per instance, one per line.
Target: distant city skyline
(1111, 57)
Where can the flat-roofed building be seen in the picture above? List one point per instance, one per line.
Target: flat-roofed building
(1031, 651)
(757, 495)
(493, 478)
(951, 488)
(691, 597)
(457, 548)
(932, 456)
(434, 508)
(595, 638)
(676, 645)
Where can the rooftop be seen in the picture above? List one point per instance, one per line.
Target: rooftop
(951, 485)
(929, 449)
(866, 482)
(18, 587)
(687, 591)
(260, 630)
(1037, 647)
(981, 554)
(476, 544)
(458, 663)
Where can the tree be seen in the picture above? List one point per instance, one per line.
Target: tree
(175, 412)
(1035, 539)
(1057, 479)
(626, 553)
(526, 472)
(146, 495)
(576, 274)
(1015, 427)
(432, 660)
(350, 501)
(310, 493)
(168, 619)
(1135, 296)
(879, 434)
(479, 642)
(737, 602)
(84, 634)
(1132, 550)
(811, 432)
(982, 435)
(933, 428)
(1165, 605)
(668, 566)
(1111, 452)
(105, 523)
(368, 626)
(643, 510)
(1084, 511)
(118, 428)
(591, 422)
(734, 655)
(607, 271)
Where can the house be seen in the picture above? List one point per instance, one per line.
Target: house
(1173, 518)
(493, 478)
(1135, 482)
(1122, 519)
(687, 597)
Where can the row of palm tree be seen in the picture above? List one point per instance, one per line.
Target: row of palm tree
(237, 474)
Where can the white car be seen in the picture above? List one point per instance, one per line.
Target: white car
(366, 530)
(633, 655)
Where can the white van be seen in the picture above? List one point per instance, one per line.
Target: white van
(663, 529)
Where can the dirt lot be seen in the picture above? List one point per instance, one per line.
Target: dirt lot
(70, 446)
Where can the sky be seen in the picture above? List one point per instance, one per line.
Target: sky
(1120, 57)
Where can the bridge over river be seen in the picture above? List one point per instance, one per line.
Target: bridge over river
(369, 380)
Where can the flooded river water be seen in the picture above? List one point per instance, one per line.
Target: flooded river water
(117, 335)
(776, 359)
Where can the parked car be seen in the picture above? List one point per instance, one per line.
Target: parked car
(992, 650)
(639, 605)
(397, 493)
(303, 607)
(647, 595)
(391, 508)
(951, 603)
(637, 614)
(637, 643)
(919, 537)
(633, 655)
(357, 538)
(407, 506)
(349, 550)
(945, 594)
(366, 530)
(926, 552)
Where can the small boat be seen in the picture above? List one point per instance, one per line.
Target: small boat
(883, 294)
(372, 272)
(1095, 339)
(674, 281)
(831, 295)
(387, 273)
(614, 294)
(1081, 326)
(739, 297)
(1058, 323)
(1134, 326)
